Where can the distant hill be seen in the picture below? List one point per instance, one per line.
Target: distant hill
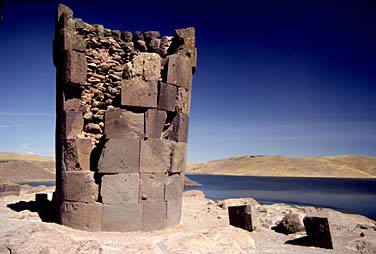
(24, 167)
(349, 166)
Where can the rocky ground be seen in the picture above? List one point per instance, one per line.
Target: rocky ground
(204, 229)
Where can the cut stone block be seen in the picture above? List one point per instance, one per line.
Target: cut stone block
(179, 157)
(179, 131)
(179, 72)
(190, 54)
(174, 212)
(183, 101)
(120, 188)
(120, 156)
(78, 186)
(77, 154)
(145, 65)
(121, 123)
(154, 123)
(186, 36)
(75, 70)
(155, 156)
(243, 216)
(71, 41)
(139, 93)
(318, 232)
(152, 187)
(174, 187)
(72, 105)
(83, 216)
(154, 216)
(122, 217)
(72, 124)
(167, 97)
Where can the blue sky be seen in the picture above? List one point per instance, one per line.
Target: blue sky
(293, 78)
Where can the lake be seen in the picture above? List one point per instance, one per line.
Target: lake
(346, 195)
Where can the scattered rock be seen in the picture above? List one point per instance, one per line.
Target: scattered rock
(291, 223)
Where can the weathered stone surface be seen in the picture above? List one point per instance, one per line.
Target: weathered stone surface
(120, 156)
(83, 216)
(138, 93)
(121, 123)
(75, 69)
(179, 157)
(77, 154)
(244, 216)
(68, 40)
(138, 36)
(154, 216)
(190, 54)
(154, 123)
(167, 97)
(318, 232)
(155, 156)
(72, 124)
(149, 35)
(179, 131)
(120, 188)
(174, 187)
(290, 224)
(93, 128)
(78, 186)
(152, 187)
(122, 217)
(126, 36)
(186, 36)
(72, 104)
(183, 38)
(174, 209)
(183, 100)
(179, 72)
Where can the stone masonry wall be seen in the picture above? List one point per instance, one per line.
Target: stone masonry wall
(123, 102)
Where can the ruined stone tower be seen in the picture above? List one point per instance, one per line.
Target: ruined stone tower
(123, 102)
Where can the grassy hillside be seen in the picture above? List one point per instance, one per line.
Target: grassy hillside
(23, 167)
(354, 166)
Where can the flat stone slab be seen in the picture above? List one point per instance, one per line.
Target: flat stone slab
(122, 217)
(139, 93)
(179, 72)
(72, 124)
(180, 125)
(167, 97)
(243, 216)
(152, 187)
(155, 156)
(83, 216)
(77, 154)
(154, 123)
(78, 186)
(121, 123)
(174, 209)
(120, 156)
(74, 68)
(120, 188)
(318, 232)
(154, 216)
(174, 187)
(179, 157)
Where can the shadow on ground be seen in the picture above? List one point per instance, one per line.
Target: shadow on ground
(45, 208)
(301, 241)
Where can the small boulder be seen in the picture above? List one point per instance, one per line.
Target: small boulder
(290, 224)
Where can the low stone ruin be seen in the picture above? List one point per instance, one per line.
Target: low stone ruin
(123, 102)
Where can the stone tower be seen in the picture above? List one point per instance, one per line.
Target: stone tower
(123, 102)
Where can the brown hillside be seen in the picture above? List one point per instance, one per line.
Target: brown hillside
(23, 168)
(354, 166)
